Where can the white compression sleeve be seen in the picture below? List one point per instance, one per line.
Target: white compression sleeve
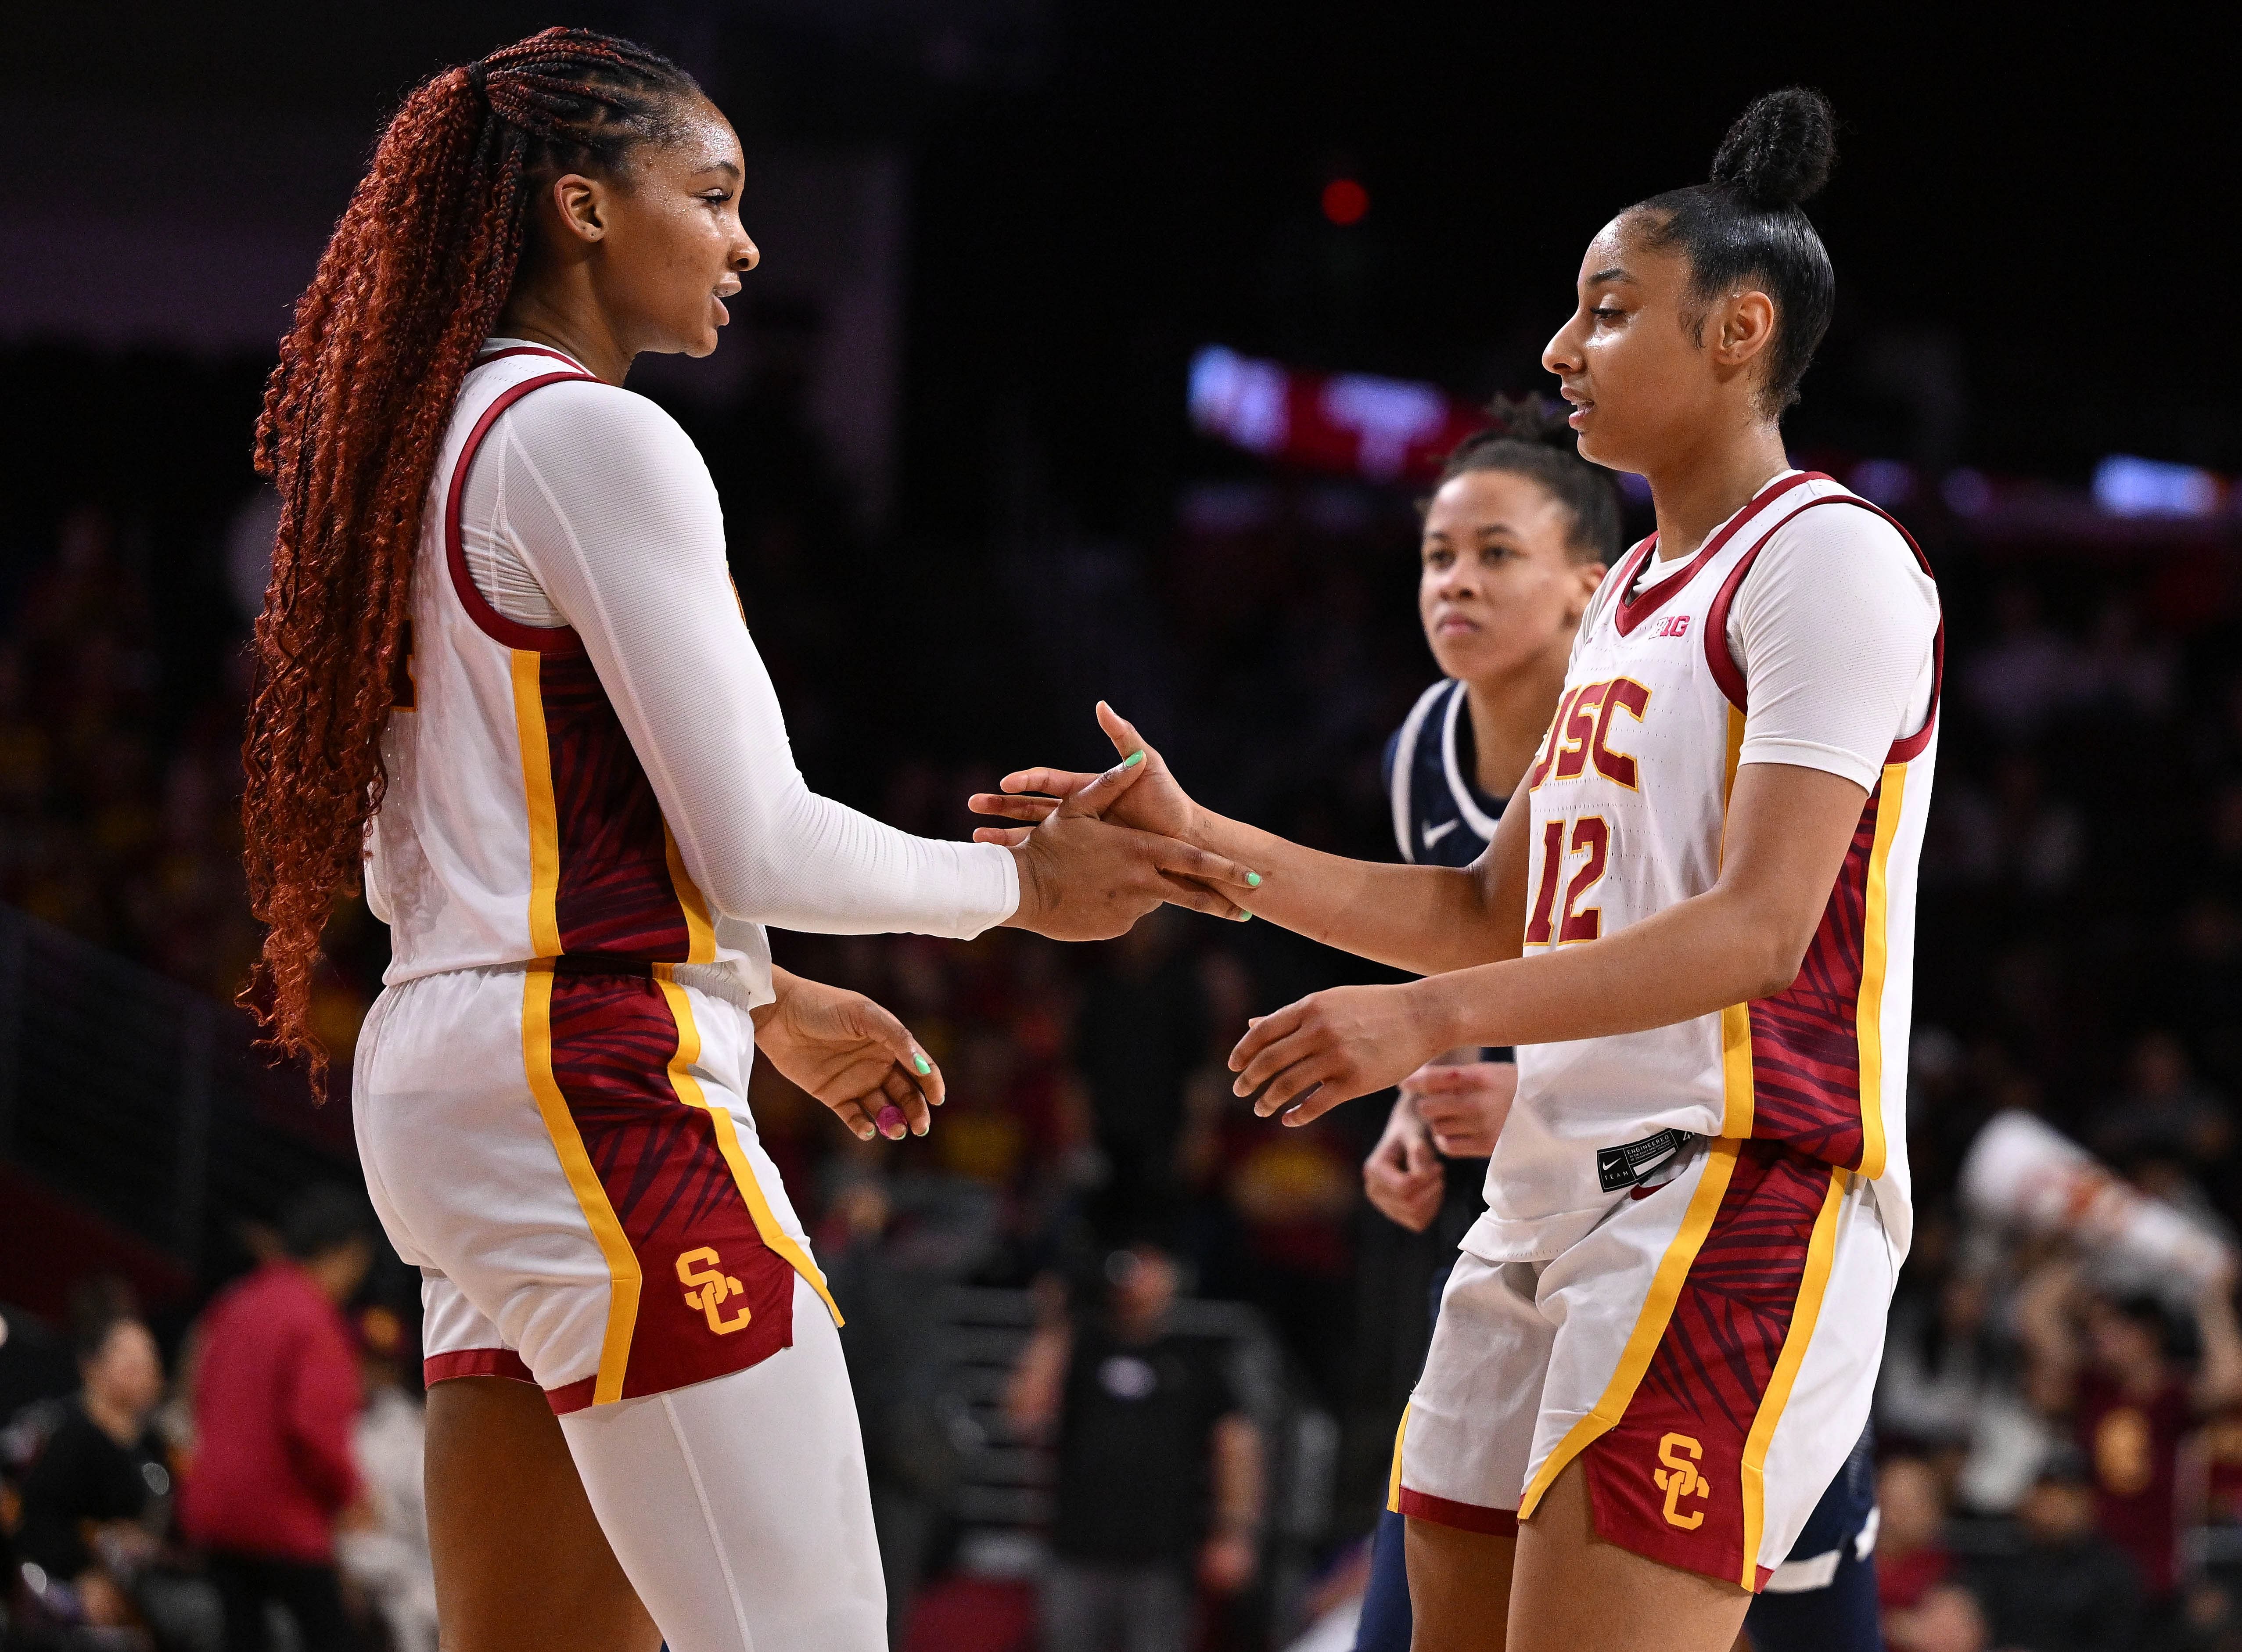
(739, 1507)
(609, 505)
(1833, 629)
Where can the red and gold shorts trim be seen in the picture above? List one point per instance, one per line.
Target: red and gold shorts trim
(585, 1197)
(1706, 1353)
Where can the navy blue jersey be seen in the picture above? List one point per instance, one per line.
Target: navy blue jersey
(1441, 816)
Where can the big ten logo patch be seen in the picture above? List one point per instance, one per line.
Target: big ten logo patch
(1674, 625)
(707, 1287)
(1680, 1479)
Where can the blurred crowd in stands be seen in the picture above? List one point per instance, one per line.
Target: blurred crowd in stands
(2061, 1443)
(267, 1492)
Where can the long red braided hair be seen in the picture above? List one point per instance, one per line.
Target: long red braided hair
(414, 280)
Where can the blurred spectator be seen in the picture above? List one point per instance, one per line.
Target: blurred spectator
(1159, 1468)
(1911, 1554)
(2165, 1111)
(98, 1500)
(2127, 676)
(386, 1558)
(276, 1395)
(2027, 674)
(1949, 1383)
(1949, 1620)
(2013, 835)
(1292, 1191)
(1141, 1030)
(2068, 1588)
(2110, 1366)
(891, 1290)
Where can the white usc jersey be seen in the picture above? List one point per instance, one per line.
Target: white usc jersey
(518, 823)
(1628, 798)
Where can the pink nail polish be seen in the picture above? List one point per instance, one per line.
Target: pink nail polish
(891, 1119)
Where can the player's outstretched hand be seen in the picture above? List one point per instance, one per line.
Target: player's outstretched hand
(1332, 1046)
(1153, 803)
(852, 1054)
(1085, 878)
(1402, 1177)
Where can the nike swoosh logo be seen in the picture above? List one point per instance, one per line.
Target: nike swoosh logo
(1433, 834)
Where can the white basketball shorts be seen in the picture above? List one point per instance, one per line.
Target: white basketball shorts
(1708, 1352)
(568, 1158)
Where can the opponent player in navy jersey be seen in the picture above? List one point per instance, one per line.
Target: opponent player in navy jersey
(1517, 535)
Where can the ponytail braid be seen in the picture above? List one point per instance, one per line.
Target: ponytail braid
(412, 281)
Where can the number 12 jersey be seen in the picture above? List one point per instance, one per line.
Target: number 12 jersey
(1804, 631)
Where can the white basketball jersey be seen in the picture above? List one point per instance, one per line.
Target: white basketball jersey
(517, 824)
(1628, 798)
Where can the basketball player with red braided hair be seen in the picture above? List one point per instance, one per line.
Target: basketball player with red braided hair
(503, 671)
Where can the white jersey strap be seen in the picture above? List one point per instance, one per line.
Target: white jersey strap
(1478, 819)
(1399, 784)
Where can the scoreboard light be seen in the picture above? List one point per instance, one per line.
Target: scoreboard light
(1349, 423)
(2126, 486)
(1345, 202)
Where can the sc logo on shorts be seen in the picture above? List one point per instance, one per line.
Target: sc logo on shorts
(702, 1273)
(1680, 1479)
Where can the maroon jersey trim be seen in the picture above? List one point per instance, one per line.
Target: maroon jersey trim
(550, 640)
(1463, 1517)
(614, 892)
(474, 1362)
(1634, 611)
(1730, 674)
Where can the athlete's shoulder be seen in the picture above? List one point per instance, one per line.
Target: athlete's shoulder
(592, 409)
(1843, 546)
(1833, 518)
(605, 438)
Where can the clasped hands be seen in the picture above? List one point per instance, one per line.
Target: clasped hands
(1096, 853)
(1085, 874)
(1305, 1060)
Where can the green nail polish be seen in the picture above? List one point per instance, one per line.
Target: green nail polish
(1253, 880)
(921, 1063)
(1245, 916)
(1133, 760)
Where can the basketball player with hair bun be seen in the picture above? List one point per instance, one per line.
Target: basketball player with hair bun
(504, 676)
(1660, 1344)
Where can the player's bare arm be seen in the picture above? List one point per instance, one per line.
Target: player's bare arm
(1422, 918)
(1742, 939)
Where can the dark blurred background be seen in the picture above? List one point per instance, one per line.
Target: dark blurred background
(969, 489)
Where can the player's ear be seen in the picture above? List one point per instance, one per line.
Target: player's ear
(1587, 577)
(580, 204)
(1747, 326)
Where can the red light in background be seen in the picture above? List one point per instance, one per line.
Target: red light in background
(1345, 201)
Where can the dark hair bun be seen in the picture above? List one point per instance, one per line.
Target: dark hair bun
(1528, 419)
(1779, 152)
